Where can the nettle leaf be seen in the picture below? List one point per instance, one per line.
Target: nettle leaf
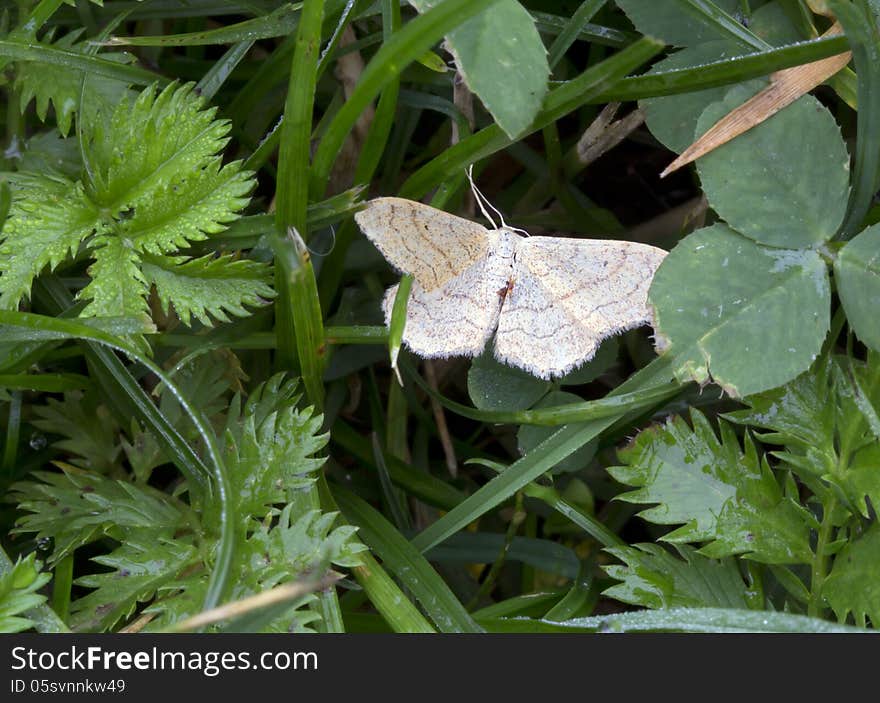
(679, 25)
(853, 586)
(496, 386)
(749, 317)
(654, 578)
(139, 567)
(76, 507)
(62, 86)
(721, 494)
(857, 275)
(207, 286)
(770, 183)
(117, 286)
(49, 218)
(672, 119)
(156, 185)
(502, 59)
(19, 592)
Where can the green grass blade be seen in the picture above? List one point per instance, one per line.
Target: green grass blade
(210, 83)
(544, 457)
(559, 102)
(92, 65)
(572, 30)
(404, 47)
(859, 21)
(407, 564)
(279, 23)
(44, 382)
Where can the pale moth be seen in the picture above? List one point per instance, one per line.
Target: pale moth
(550, 301)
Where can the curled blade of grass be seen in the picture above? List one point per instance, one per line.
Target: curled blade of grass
(859, 20)
(407, 564)
(558, 414)
(785, 87)
(404, 47)
(68, 329)
(92, 65)
(559, 102)
(565, 441)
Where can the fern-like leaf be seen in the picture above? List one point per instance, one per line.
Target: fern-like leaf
(74, 508)
(207, 286)
(139, 567)
(724, 496)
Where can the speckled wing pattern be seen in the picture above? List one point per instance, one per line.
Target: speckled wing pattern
(567, 296)
(552, 300)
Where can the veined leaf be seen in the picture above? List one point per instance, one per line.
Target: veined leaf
(48, 219)
(857, 275)
(682, 24)
(208, 285)
(19, 593)
(724, 496)
(502, 59)
(749, 317)
(655, 578)
(770, 183)
(853, 586)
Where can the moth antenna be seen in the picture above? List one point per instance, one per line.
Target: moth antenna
(329, 249)
(480, 198)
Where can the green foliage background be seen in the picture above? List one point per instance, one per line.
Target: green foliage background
(194, 375)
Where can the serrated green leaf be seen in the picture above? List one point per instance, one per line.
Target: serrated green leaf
(502, 59)
(724, 496)
(857, 275)
(75, 508)
(19, 593)
(749, 317)
(800, 412)
(62, 86)
(770, 183)
(655, 578)
(118, 287)
(139, 567)
(215, 286)
(496, 386)
(853, 586)
(48, 219)
(672, 119)
(89, 430)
